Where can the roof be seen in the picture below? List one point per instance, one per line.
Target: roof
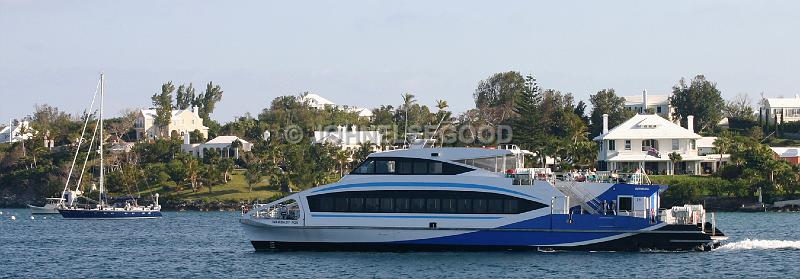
(786, 151)
(651, 100)
(445, 153)
(151, 113)
(225, 140)
(706, 142)
(316, 100)
(648, 126)
(784, 102)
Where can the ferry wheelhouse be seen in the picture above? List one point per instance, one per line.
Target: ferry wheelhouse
(477, 199)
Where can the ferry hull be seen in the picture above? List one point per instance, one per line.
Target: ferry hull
(666, 238)
(107, 214)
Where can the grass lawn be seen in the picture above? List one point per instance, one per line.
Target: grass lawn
(235, 190)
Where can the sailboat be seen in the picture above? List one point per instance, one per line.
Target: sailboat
(129, 209)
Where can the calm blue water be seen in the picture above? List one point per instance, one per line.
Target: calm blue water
(211, 244)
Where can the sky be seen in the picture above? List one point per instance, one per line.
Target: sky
(367, 53)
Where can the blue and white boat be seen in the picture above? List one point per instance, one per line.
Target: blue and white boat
(476, 199)
(127, 209)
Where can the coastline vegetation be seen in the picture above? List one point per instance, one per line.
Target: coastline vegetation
(546, 121)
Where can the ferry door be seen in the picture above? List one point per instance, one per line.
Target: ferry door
(641, 206)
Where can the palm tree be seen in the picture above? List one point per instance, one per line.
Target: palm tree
(408, 100)
(723, 144)
(192, 172)
(342, 157)
(441, 104)
(674, 158)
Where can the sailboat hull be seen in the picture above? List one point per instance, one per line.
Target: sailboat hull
(108, 214)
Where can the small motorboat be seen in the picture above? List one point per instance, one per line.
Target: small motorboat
(51, 206)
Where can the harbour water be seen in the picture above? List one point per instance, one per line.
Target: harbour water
(212, 245)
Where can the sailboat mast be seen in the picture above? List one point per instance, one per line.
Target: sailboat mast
(102, 172)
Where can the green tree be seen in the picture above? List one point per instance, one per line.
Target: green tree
(163, 104)
(700, 98)
(606, 101)
(527, 133)
(184, 97)
(177, 172)
(674, 158)
(740, 108)
(208, 100)
(495, 96)
(252, 175)
(192, 171)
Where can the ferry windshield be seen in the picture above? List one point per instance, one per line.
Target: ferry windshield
(408, 166)
(493, 164)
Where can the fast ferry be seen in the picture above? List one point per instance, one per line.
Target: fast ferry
(433, 199)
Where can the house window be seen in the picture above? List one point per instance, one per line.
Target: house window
(658, 109)
(647, 144)
(612, 145)
(793, 112)
(777, 111)
(693, 144)
(627, 144)
(675, 144)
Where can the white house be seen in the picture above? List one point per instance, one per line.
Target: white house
(221, 145)
(659, 104)
(786, 109)
(645, 142)
(16, 132)
(319, 102)
(183, 121)
(349, 139)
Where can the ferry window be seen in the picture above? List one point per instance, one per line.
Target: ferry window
(464, 206)
(384, 167)
(434, 205)
(326, 204)
(418, 205)
(404, 167)
(387, 204)
(625, 204)
(340, 204)
(366, 167)
(372, 204)
(495, 206)
(435, 168)
(356, 204)
(401, 205)
(511, 206)
(479, 206)
(449, 205)
(430, 201)
(420, 167)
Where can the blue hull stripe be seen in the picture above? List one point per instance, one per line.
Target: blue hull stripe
(424, 184)
(403, 216)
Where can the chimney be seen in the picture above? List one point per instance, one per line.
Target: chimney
(644, 101)
(690, 123)
(196, 111)
(186, 138)
(605, 123)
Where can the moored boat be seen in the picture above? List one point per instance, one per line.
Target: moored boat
(476, 199)
(50, 207)
(128, 209)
